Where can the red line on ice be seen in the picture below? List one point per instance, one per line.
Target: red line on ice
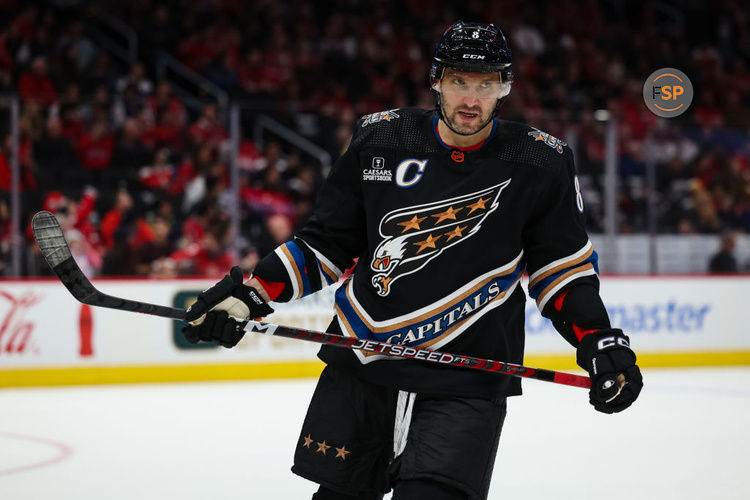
(64, 452)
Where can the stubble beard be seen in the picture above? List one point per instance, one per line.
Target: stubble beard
(467, 129)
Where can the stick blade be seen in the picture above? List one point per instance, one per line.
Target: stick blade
(49, 236)
(51, 241)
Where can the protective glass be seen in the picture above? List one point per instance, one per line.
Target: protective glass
(456, 85)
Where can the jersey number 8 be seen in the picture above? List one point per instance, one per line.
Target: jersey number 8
(579, 197)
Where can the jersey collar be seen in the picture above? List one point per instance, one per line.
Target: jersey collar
(469, 149)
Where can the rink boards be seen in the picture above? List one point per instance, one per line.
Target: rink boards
(48, 338)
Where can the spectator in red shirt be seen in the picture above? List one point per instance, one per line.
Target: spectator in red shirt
(27, 180)
(112, 219)
(159, 175)
(255, 75)
(35, 85)
(204, 216)
(95, 147)
(207, 258)
(207, 128)
(167, 132)
(157, 249)
(198, 50)
(72, 214)
(193, 229)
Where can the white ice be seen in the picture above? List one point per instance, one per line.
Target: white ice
(686, 438)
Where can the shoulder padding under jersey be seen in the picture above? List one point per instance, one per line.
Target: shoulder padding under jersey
(401, 128)
(528, 145)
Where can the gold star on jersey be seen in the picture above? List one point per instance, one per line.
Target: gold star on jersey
(410, 242)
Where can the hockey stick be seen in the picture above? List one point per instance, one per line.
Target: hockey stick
(401, 351)
(49, 237)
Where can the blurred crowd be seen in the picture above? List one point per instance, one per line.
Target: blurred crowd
(140, 177)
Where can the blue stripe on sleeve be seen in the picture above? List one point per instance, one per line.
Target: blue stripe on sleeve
(299, 263)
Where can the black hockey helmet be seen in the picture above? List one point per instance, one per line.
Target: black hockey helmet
(472, 47)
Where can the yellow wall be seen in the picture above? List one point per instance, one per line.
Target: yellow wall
(302, 369)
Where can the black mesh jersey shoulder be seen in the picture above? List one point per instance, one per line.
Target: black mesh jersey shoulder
(520, 143)
(406, 129)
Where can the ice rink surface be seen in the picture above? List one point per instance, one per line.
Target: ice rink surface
(687, 437)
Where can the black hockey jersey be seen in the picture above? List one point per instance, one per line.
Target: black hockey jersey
(442, 238)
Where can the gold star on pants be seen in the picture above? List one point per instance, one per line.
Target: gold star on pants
(342, 452)
(308, 441)
(322, 447)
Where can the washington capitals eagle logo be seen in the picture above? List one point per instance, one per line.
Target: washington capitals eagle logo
(413, 236)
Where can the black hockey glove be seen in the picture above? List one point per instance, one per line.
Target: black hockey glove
(217, 327)
(214, 315)
(616, 380)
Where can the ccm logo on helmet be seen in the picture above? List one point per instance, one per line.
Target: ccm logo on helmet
(473, 56)
(404, 169)
(611, 341)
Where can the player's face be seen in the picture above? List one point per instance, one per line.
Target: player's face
(468, 99)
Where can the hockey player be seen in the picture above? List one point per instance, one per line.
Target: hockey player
(445, 209)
